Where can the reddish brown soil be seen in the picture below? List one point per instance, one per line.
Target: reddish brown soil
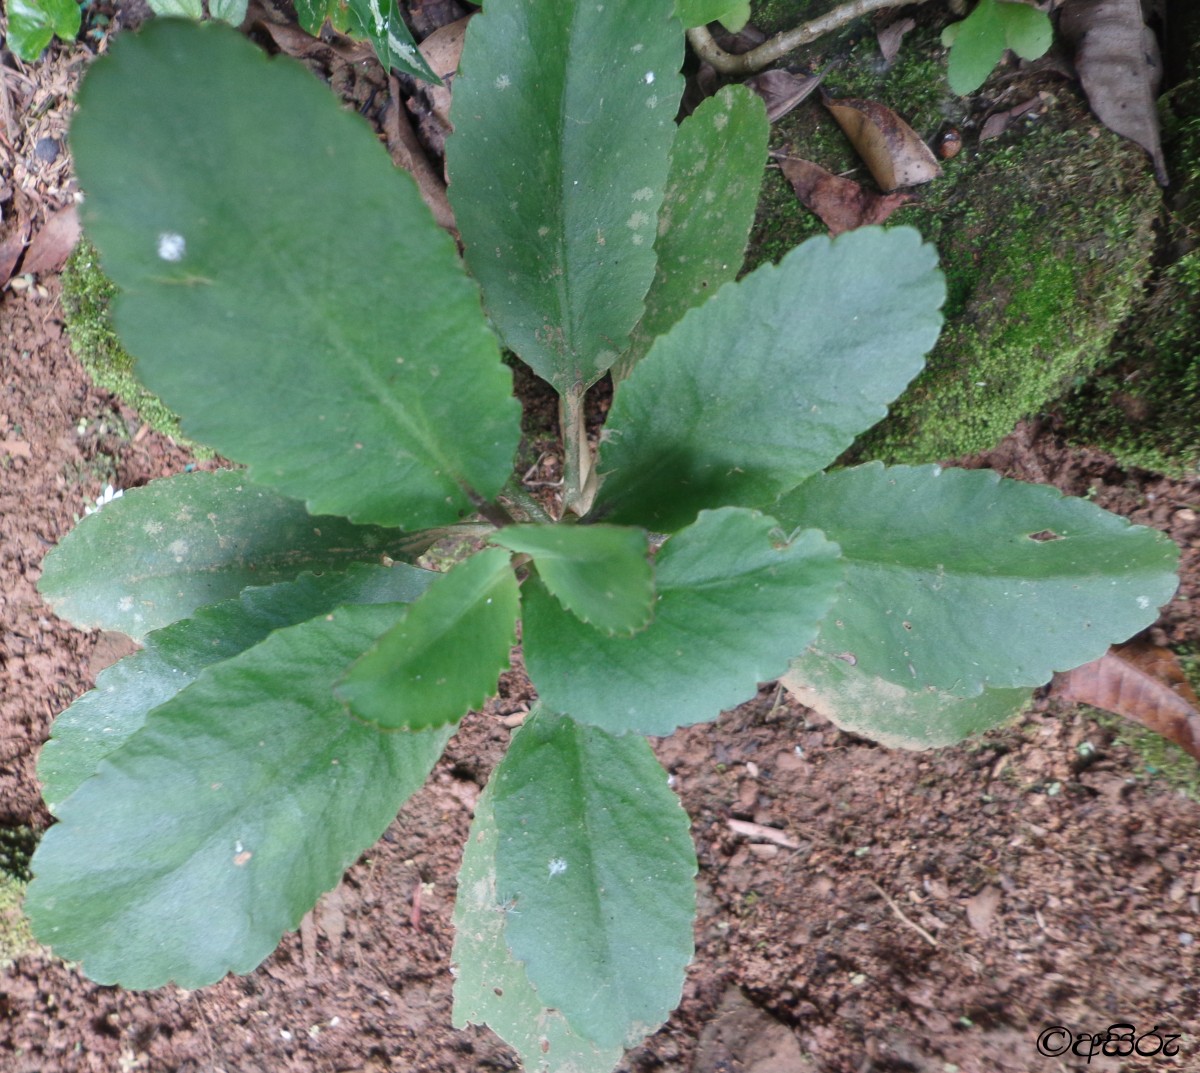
(932, 912)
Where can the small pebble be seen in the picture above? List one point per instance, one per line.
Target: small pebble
(47, 150)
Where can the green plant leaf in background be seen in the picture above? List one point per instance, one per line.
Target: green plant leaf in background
(561, 236)
(183, 9)
(702, 12)
(103, 719)
(445, 655)
(159, 552)
(595, 850)
(380, 22)
(737, 601)
(312, 14)
(600, 573)
(230, 11)
(491, 987)
(238, 851)
(33, 23)
(712, 191)
(890, 714)
(977, 43)
(762, 386)
(957, 580)
(258, 261)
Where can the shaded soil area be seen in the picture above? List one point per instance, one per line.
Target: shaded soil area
(865, 911)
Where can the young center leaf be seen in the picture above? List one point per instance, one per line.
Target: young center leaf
(491, 986)
(103, 719)
(736, 601)
(261, 793)
(958, 581)
(712, 190)
(771, 379)
(283, 286)
(444, 656)
(600, 573)
(563, 117)
(159, 552)
(594, 848)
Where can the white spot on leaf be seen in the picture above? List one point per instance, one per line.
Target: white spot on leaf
(557, 866)
(171, 246)
(503, 81)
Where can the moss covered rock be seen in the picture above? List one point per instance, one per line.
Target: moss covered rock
(1145, 407)
(1046, 235)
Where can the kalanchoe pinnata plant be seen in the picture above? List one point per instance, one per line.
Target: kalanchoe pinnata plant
(286, 291)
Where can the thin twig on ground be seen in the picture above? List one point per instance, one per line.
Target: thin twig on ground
(900, 914)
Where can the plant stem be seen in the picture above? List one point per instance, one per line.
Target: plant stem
(525, 504)
(781, 44)
(579, 479)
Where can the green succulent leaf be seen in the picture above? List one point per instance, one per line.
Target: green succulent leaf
(183, 9)
(600, 573)
(444, 656)
(594, 848)
(957, 580)
(380, 22)
(490, 985)
(771, 379)
(701, 12)
(230, 11)
(891, 714)
(159, 552)
(262, 793)
(257, 259)
(735, 18)
(561, 236)
(736, 601)
(712, 190)
(977, 43)
(33, 23)
(104, 718)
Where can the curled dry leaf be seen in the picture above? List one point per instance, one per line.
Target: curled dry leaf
(1141, 682)
(442, 50)
(1117, 57)
(890, 148)
(53, 244)
(842, 204)
(890, 36)
(782, 90)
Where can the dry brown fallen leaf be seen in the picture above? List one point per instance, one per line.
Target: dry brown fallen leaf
(1117, 57)
(890, 148)
(1141, 682)
(782, 91)
(842, 204)
(442, 50)
(52, 245)
(997, 123)
(890, 36)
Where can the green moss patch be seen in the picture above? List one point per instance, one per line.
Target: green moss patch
(1045, 235)
(1145, 408)
(87, 293)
